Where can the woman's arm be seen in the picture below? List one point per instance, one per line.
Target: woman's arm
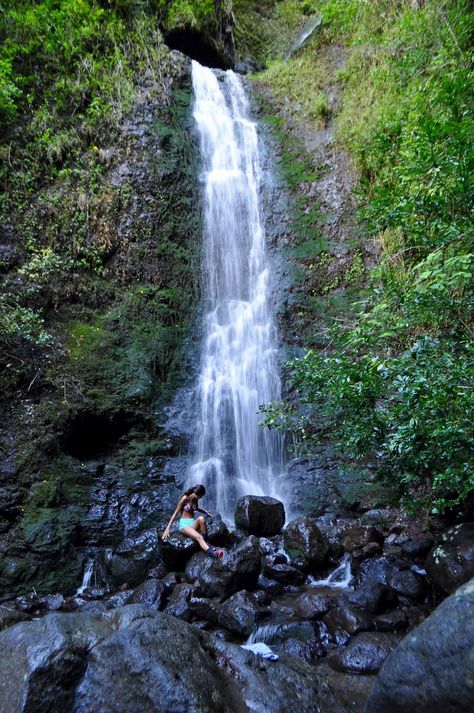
(179, 507)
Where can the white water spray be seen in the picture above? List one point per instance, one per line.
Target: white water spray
(233, 455)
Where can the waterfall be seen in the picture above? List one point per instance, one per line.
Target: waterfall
(233, 456)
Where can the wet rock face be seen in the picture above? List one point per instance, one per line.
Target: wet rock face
(432, 667)
(177, 549)
(259, 515)
(305, 543)
(365, 653)
(136, 660)
(239, 613)
(238, 569)
(359, 537)
(451, 562)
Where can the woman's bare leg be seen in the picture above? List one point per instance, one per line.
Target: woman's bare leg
(200, 525)
(196, 536)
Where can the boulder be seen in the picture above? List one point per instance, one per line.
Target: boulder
(151, 593)
(307, 650)
(395, 620)
(358, 537)
(133, 558)
(178, 604)
(176, 550)
(418, 547)
(238, 569)
(409, 584)
(365, 653)
(348, 618)
(305, 543)
(432, 667)
(371, 596)
(283, 573)
(217, 532)
(312, 606)
(451, 562)
(239, 613)
(137, 660)
(205, 609)
(45, 661)
(259, 515)
(10, 615)
(377, 569)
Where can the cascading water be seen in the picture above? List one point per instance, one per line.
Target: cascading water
(233, 456)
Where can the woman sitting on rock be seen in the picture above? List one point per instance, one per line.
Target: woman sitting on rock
(187, 505)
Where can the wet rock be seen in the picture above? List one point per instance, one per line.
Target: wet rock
(305, 543)
(217, 532)
(351, 691)
(46, 660)
(9, 616)
(372, 549)
(31, 604)
(371, 596)
(178, 605)
(196, 566)
(118, 600)
(378, 516)
(409, 584)
(239, 613)
(151, 593)
(431, 669)
(312, 606)
(451, 562)
(238, 569)
(176, 550)
(283, 573)
(259, 515)
(270, 585)
(365, 653)
(418, 547)
(359, 537)
(158, 572)
(348, 618)
(307, 650)
(395, 620)
(378, 569)
(205, 609)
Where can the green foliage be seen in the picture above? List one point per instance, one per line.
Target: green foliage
(394, 382)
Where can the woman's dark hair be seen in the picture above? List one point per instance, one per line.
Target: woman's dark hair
(198, 490)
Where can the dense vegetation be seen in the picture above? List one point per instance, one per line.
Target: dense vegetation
(70, 71)
(396, 382)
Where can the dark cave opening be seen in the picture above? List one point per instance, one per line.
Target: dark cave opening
(90, 435)
(196, 45)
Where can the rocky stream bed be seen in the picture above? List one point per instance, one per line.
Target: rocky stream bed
(170, 639)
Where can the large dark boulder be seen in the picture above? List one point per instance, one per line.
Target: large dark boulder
(358, 537)
(259, 515)
(372, 596)
(133, 558)
(45, 661)
(312, 605)
(432, 668)
(305, 543)
(451, 562)
(178, 604)
(282, 572)
(365, 653)
(351, 619)
(238, 569)
(151, 593)
(140, 661)
(176, 550)
(239, 613)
